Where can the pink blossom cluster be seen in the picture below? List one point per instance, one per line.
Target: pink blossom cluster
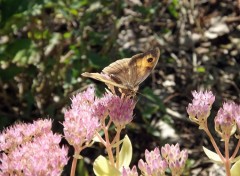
(175, 158)
(227, 119)
(154, 164)
(201, 105)
(157, 163)
(120, 110)
(79, 123)
(32, 149)
(88, 112)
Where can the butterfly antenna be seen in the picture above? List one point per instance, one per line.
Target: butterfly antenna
(141, 94)
(81, 89)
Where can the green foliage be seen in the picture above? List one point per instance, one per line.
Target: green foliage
(81, 168)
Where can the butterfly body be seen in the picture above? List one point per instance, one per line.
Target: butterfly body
(125, 75)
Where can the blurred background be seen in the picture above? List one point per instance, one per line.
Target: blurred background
(45, 45)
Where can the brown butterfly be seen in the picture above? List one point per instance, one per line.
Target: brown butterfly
(124, 76)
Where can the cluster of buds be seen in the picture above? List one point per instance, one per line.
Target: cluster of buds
(175, 158)
(227, 119)
(157, 163)
(200, 108)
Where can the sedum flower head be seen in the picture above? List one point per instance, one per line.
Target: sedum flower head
(22, 132)
(130, 172)
(175, 158)
(200, 107)
(120, 109)
(100, 108)
(35, 152)
(225, 120)
(80, 122)
(154, 165)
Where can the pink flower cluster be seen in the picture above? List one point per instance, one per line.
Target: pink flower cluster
(227, 119)
(87, 113)
(80, 125)
(200, 107)
(31, 149)
(120, 110)
(157, 163)
(154, 164)
(175, 158)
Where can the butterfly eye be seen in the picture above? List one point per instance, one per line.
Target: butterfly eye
(150, 60)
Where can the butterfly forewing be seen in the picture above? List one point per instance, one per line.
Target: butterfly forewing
(119, 71)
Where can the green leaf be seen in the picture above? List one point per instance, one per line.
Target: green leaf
(201, 70)
(10, 72)
(236, 159)
(154, 105)
(81, 168)
(14, 47)
(235, 170)
(212, 156)
(96, 60)
(26, 56)
(125, 155)
(172, 8)
(102, 167)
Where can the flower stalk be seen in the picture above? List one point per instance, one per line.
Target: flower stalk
(227, 123)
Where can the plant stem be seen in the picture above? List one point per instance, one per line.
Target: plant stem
(213, 142)
(119, 129)
(227, 161)
(74, 163)
(101, 139)
(108, 144)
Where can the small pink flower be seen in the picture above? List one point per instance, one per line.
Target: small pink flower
(81, 123)
(37, 154)
(120, 109)
(225, 120)
(130, 172)
(200, 107)
(154, 164)
(175, 158)
(100, 108)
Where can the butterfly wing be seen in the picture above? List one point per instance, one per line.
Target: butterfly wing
(120, 72)
(142, 65)
(103, 78)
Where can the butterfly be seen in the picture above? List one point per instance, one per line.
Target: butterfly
(124, 76)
